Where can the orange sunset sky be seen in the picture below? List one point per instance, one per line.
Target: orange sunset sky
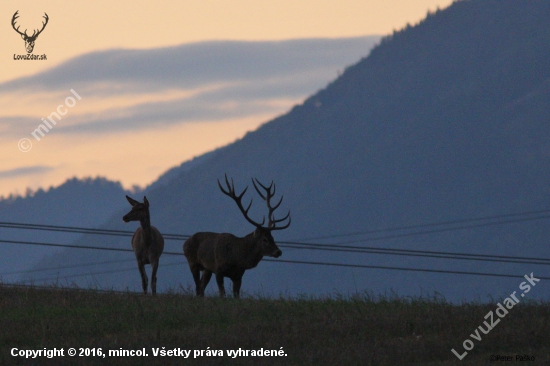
(155, 88)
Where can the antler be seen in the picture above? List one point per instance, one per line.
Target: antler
(237, 198)
(272, 223)
(15, 16)
(43, 26)
(34, 34)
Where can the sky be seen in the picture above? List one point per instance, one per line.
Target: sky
(130, 89)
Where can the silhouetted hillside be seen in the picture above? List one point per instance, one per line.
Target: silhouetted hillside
(446, 120)
(77, 202)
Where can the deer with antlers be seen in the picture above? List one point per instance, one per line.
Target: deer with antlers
(147, 242)
(29, 40)
(226, 255)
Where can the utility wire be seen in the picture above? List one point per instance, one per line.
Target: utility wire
(335, 246)
(76, 246)
(82, 230)
(282, 261)
(419, 226)
(403, 268)
(328, 247)
(486, 274)
(66, 267)
(339, 248)
(368, 251)
(412, 253)
(127, 269)
(354, 248)
(503, 222)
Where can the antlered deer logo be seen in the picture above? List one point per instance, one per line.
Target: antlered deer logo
(29, 40)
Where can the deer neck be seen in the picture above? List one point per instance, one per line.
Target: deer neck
(146, 229)
(253, 250)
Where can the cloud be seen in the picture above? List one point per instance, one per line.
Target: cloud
(194, 65)
(166, 113)
(29, 170)
(215, 81)
(225, 102)
(18, 126)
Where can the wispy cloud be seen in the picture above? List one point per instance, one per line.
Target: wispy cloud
(194, 65)
(215, 81)
(29, 170)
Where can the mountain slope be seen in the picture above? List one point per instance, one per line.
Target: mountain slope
(443, 121)
(76, 202)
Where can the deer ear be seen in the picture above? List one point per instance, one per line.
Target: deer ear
(132, 201)
(145, 201)
(23, 37)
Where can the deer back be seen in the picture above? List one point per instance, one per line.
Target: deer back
(219, 252)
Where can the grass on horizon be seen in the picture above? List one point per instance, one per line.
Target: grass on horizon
(338, 330)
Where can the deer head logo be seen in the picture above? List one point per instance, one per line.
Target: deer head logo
(29, 40)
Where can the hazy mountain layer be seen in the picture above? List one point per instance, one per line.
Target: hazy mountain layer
(77, 202)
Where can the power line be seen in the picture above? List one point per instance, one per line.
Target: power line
(98, 273)
(64, 245)
(76, 246)
(353, 248)
(169, 236)
(279, 260)
(403, 268)
(369, 251)
(335, 246)
(419, 226)
(509, 260)
(82, 230)
(299, 245)
(485, 274)
(503, 222)
(329, 247)
(66, 267)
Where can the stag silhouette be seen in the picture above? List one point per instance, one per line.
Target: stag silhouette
(229, 256)
(29, 40)
(147, 242)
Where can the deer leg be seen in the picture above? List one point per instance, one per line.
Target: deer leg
(195, 270)
(219, 280)
(144, 279)
(204, 280)
(155, 266)
(237, 286)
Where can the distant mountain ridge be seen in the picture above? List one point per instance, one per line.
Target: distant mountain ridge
(443, 121)
(76, 202)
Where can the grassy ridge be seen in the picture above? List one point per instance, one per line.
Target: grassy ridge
(331, 331)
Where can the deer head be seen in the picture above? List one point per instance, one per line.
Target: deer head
(262, 233)
(29, 40)
(139, 211)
